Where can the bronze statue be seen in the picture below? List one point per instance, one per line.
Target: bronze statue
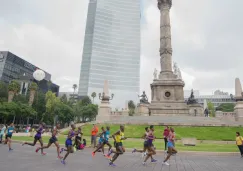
(191, 99)
(144, 98)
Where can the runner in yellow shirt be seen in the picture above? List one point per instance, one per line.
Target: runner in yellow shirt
(239, 143)
(118, 137)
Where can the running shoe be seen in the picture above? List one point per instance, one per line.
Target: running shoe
(134, 150)
(144, 163)
(43, 154)
(112, 164)
(153, 161)
(59, 157)
(62, 149)
(10, 149)
(165, 163)
(63, 162)
(93, 154)
(108, 157)
(37, 149)
(109, 153)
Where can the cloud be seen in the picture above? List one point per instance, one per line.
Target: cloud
(206, 39)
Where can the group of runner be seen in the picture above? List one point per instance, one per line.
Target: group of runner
(148, 150)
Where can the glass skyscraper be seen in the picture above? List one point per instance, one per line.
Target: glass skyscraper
(112, 50)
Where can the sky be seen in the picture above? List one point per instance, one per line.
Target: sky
(206, 39)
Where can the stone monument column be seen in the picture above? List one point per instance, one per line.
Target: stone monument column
(165, 36)
(167, 90)
(104, 112)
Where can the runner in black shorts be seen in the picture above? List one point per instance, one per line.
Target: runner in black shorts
(53, 140)
(39, 131)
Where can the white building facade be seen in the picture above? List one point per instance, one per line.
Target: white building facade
(112, 50)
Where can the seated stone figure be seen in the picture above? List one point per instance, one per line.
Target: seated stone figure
(191, 99)
(144, 98)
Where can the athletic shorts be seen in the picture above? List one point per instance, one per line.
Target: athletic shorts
(78, 138)
(170, 144)
(37, 138)
(53, 140)
(118, 144)
(145, 144)
(105, 142)
(8, 136)
(68, 142)
(150, 144)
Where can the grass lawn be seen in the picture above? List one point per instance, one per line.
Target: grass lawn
(200, 133)
(158, 143)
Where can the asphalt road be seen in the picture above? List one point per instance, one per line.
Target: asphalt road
(24, 158)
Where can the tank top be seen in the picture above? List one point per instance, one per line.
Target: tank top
(71, 135)
(171, 137)
(54, 132)
(119, 137)
(39, 131)
(107, 135)
(150, 136)
(10, 130)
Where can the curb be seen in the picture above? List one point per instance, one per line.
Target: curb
(180, 152)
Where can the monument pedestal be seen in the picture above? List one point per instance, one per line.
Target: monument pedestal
(104, 112)
(196, 110)
(239, 111)
(168, 95)
(143, 109)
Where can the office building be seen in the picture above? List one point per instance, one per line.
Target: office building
(13, 67)
(111, 50)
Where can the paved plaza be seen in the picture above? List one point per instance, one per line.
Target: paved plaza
(25, 159)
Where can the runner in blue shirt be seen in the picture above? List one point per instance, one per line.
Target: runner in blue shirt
(8, 136)
(105, 135)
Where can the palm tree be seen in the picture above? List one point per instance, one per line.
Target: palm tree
(74, 88)
(33, 88)
(13, 88)
(93, 95)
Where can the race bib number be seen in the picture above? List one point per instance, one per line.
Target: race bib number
(79, 135)
(10, 131)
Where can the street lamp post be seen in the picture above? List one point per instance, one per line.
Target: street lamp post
(105, 97)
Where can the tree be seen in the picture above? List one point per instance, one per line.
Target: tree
(33, 88)
(211, 109)
(20, 98)
(3, 91)
(64, 112)
(12, 111)
(131, 107)
(13, 88)
(51, 102)
(40, 106)
(93, 95)
(85, 110)
(86, 100)
(64, 99)
(226, 107)
(74, 88)
(89, 112)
